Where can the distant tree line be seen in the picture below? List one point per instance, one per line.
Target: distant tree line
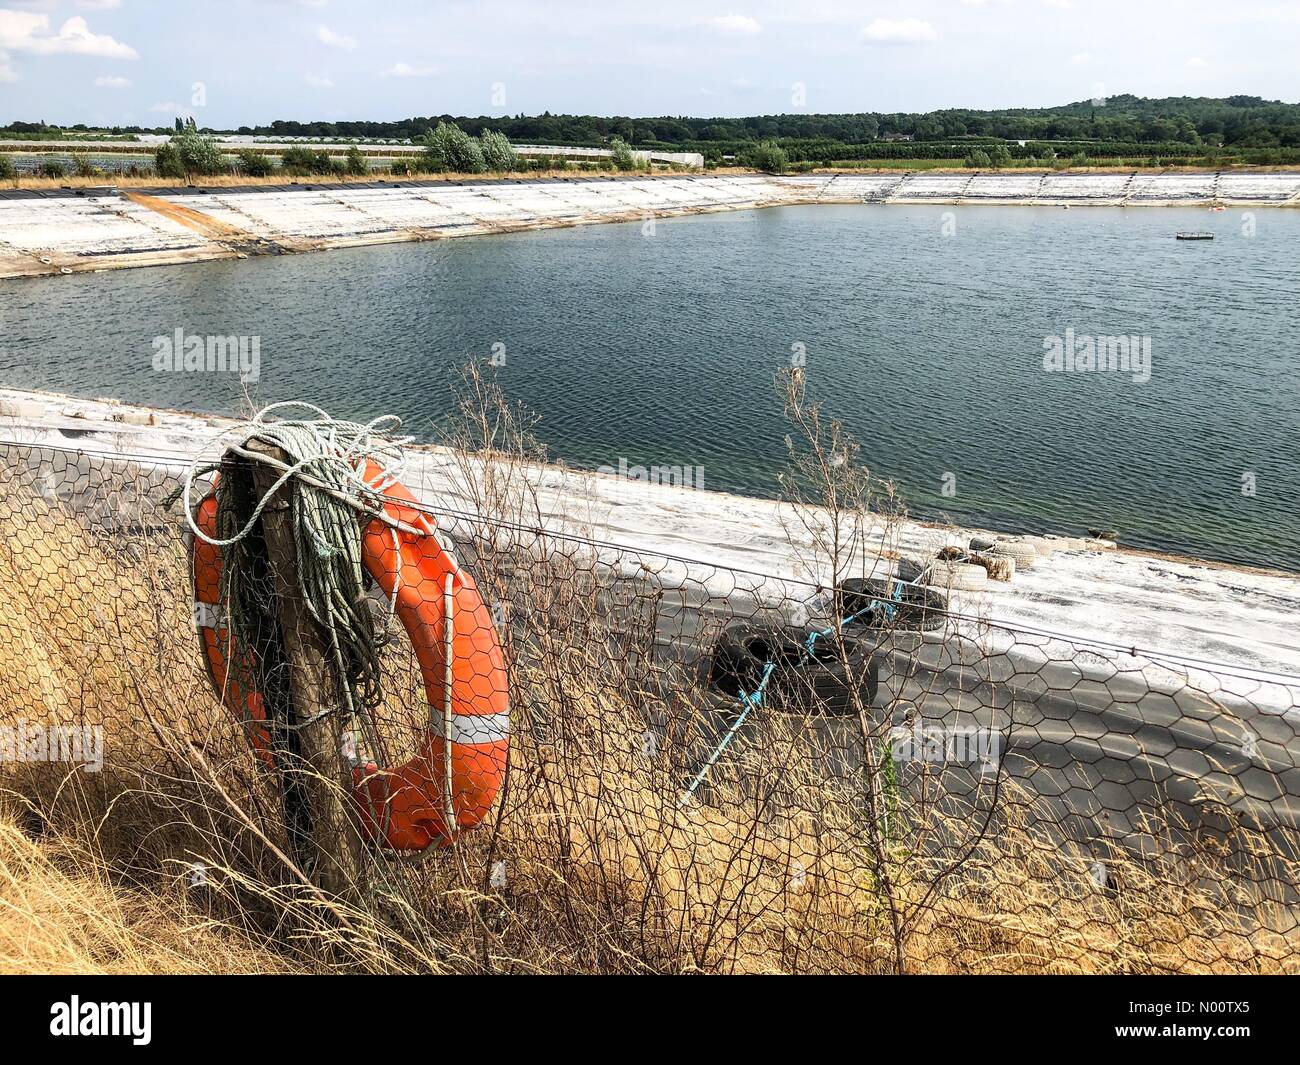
(1202, 129)
(1245, 121)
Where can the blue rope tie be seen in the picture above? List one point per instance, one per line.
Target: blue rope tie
(749, 701)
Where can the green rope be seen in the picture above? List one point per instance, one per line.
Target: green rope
(329, 497)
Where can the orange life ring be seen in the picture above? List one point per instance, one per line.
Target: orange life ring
(461, 760)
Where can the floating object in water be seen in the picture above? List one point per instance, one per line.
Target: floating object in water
(1103, 534)
(1218, 207)
(1195, 236)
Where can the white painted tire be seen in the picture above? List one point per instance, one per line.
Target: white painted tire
(981, 543)
(1042, 545)
(1022, 551)
(957, 576)
(21, 408)
(1067, 543)
(999, 567)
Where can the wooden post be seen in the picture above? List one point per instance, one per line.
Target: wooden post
(335, 850)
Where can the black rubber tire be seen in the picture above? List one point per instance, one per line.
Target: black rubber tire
(909, 569)
(798, 684)
(921, 609)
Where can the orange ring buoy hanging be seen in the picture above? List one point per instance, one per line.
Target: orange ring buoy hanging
(209, 619)
(461, 761)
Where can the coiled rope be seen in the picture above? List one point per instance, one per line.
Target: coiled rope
(331, 503)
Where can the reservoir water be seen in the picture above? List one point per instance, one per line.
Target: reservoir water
(923, 328)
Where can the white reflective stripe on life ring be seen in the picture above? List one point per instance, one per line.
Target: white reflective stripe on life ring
(473, 728)
(209, 615)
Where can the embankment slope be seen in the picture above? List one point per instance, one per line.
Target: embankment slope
(72, 230)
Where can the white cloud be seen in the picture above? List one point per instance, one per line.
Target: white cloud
(99, 5)
(168, 107)
(112, 81)
(28, 32)
(7, 73)
(742, 24)
(1197, 63)
(318, 81)
(405, 70)
(1081, 59)
(899, 31)
(335, 40)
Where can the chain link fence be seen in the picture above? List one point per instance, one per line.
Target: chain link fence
(708, 769)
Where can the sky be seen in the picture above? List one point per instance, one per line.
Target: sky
(245, 62)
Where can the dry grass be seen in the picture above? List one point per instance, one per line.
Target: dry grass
(589, 866)
(61, 912)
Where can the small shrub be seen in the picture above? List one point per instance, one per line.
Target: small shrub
(198, 153)
(767, 156)
(354, 162)
(499, 154)
(303, 162)
(167, 162)
(53, 168)
(7, 171)
(622, 157)
(449, 149)
(83, 167)
(255, 164)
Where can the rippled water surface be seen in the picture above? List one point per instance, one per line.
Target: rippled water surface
(661, 349)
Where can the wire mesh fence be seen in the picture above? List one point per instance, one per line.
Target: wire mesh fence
(704, 769)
